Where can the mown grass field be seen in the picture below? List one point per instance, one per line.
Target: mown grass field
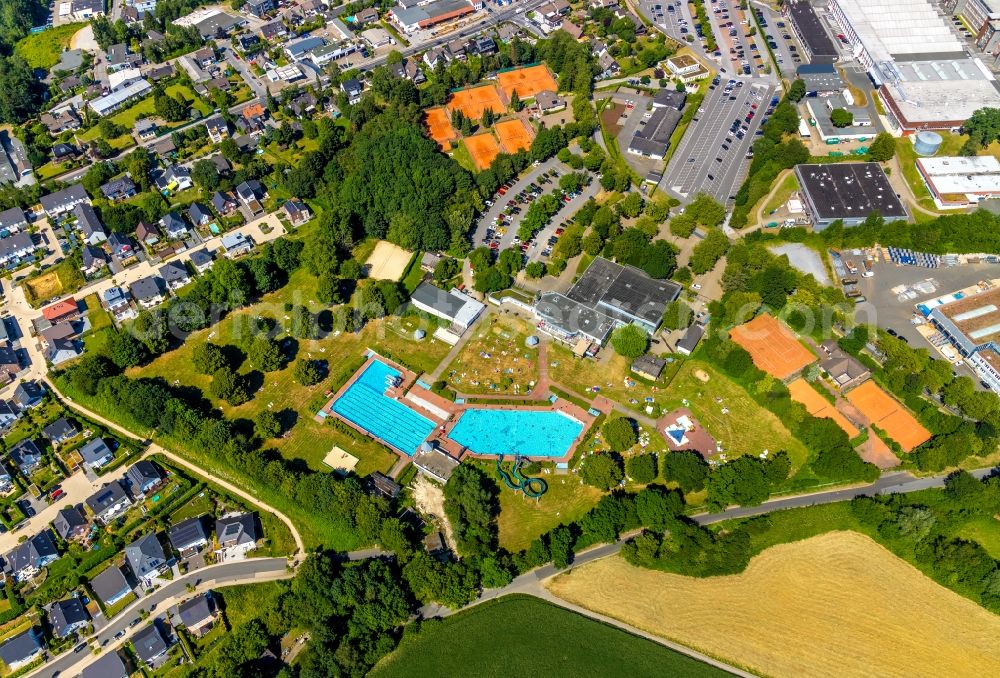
(522, 520)
(145, 109)
(44, 50)
(836, 604)
(521, 636)
(495, 360)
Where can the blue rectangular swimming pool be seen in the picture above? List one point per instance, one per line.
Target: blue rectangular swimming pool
(532, 433)
(365, 404)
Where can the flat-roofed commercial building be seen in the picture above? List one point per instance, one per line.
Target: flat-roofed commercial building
(412, 18)
(848, 191)
(956, 182)
(972, 325)
(813, 36)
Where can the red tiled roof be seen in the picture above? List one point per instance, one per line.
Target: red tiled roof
(59, 309)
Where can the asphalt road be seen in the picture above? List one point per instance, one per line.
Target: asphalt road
(694, 167)
(226, 574)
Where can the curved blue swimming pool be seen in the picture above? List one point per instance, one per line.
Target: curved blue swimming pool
(365, 404)
(532, 433)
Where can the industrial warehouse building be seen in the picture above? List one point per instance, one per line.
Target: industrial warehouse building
(808, 28)
(959, 181)
(972, 325)
(848, 191)
(925, 76)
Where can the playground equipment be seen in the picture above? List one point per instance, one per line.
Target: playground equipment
(515, 480)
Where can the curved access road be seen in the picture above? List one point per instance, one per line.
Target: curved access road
(180, 461)
(532, 583)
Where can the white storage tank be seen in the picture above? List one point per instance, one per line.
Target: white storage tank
(927, 143)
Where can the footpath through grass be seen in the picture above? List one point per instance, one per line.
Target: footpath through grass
(523, 636)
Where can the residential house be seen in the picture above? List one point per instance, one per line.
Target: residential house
(248, 41)
(94, 260)
(217, 129)
(236, 245)
(70, 524)
(28, 394)
(108, 665)
(546, 101)
(62, 311)
(149, 644)
(379, 483)
(145, 129)
(165, 148)
(369, 15)
(110, 586)
(116, 301)
(204, 57)
(222, 165)
(142, 476)
(63, 201)
(161, 72)
(273, 30)
(254, 111)
(120, 57)
(201, 260)
(8, 414)
(63, 151)
(175, 274)
(252, 194)
(61, 350)
(253, 126)
(437, 55)
(259, 8)
(173, 179)
(29, 557)
(302, 104)
(9, 364)
(690, 340)
(148, 234)
(174, 226)
(845, 370)
(58, 121)
(235, 535)
(353, 89)
(59, 431)
(13, 220)
(89, 224)
(199, 214)
(121, 188)
(6, 482)
(188, 536)
(16, 248)
(109, 502)
(297, 212)
(26, 456)
(145, 558)
(121, 246)
(575, 31)
(223, 203)
(22, 649)
(96, 453)
(148, 291)
(197, 615)
(67, 616)
(408, 70)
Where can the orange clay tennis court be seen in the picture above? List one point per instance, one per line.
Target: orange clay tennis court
(527, 82)
(514, 135)
(483, 148)
(472, 102)
(439, 127)
(802, 392)
(773, 348)
(883, 411)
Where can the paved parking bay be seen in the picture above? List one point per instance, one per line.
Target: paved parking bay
(696, 166)
(789, 60)
(567, 210)
(500, 201)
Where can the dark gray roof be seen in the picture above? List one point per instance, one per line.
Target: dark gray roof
(649, 364)
(437, 298)
(187, 533)
(31, 552)
(810, 29)
(20, 647)
(670, 97)
(146, 288)
(241, 529)
(15, 243)
(195, 611)
(691, 338)
(197, 212)
(145, 555)
(27, 392)
(109, 665)
(107, 496)
(140, 474)
(109, 584)
(572, 317)
(25, 453)
(654, 137)
(623, 292)
(67, 520)
(13, 217)
(120, 186)
(60, 429)
(173, 222)
(61, 199)
(149, 643)
(174, 271)
(219, 201)
(94, 450)
(201, 257)
(850, 190)
(92, 255)
(65, 613)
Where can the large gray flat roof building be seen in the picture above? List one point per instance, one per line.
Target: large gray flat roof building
(849, 191)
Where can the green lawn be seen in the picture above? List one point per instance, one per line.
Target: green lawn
(522, 520)
(99, 318)
(145, 109)
(522, 636)
(986, 531)
(788, 186)
(44, 50)
(245, 602)
(461, 155)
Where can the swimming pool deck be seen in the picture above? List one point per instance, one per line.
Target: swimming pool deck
(445, 413)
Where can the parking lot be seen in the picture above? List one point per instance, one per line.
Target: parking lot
(711, 157)
(787, 50)
(731, 28)
(499, 205)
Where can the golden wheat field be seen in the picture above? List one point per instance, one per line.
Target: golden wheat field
(834, 605)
